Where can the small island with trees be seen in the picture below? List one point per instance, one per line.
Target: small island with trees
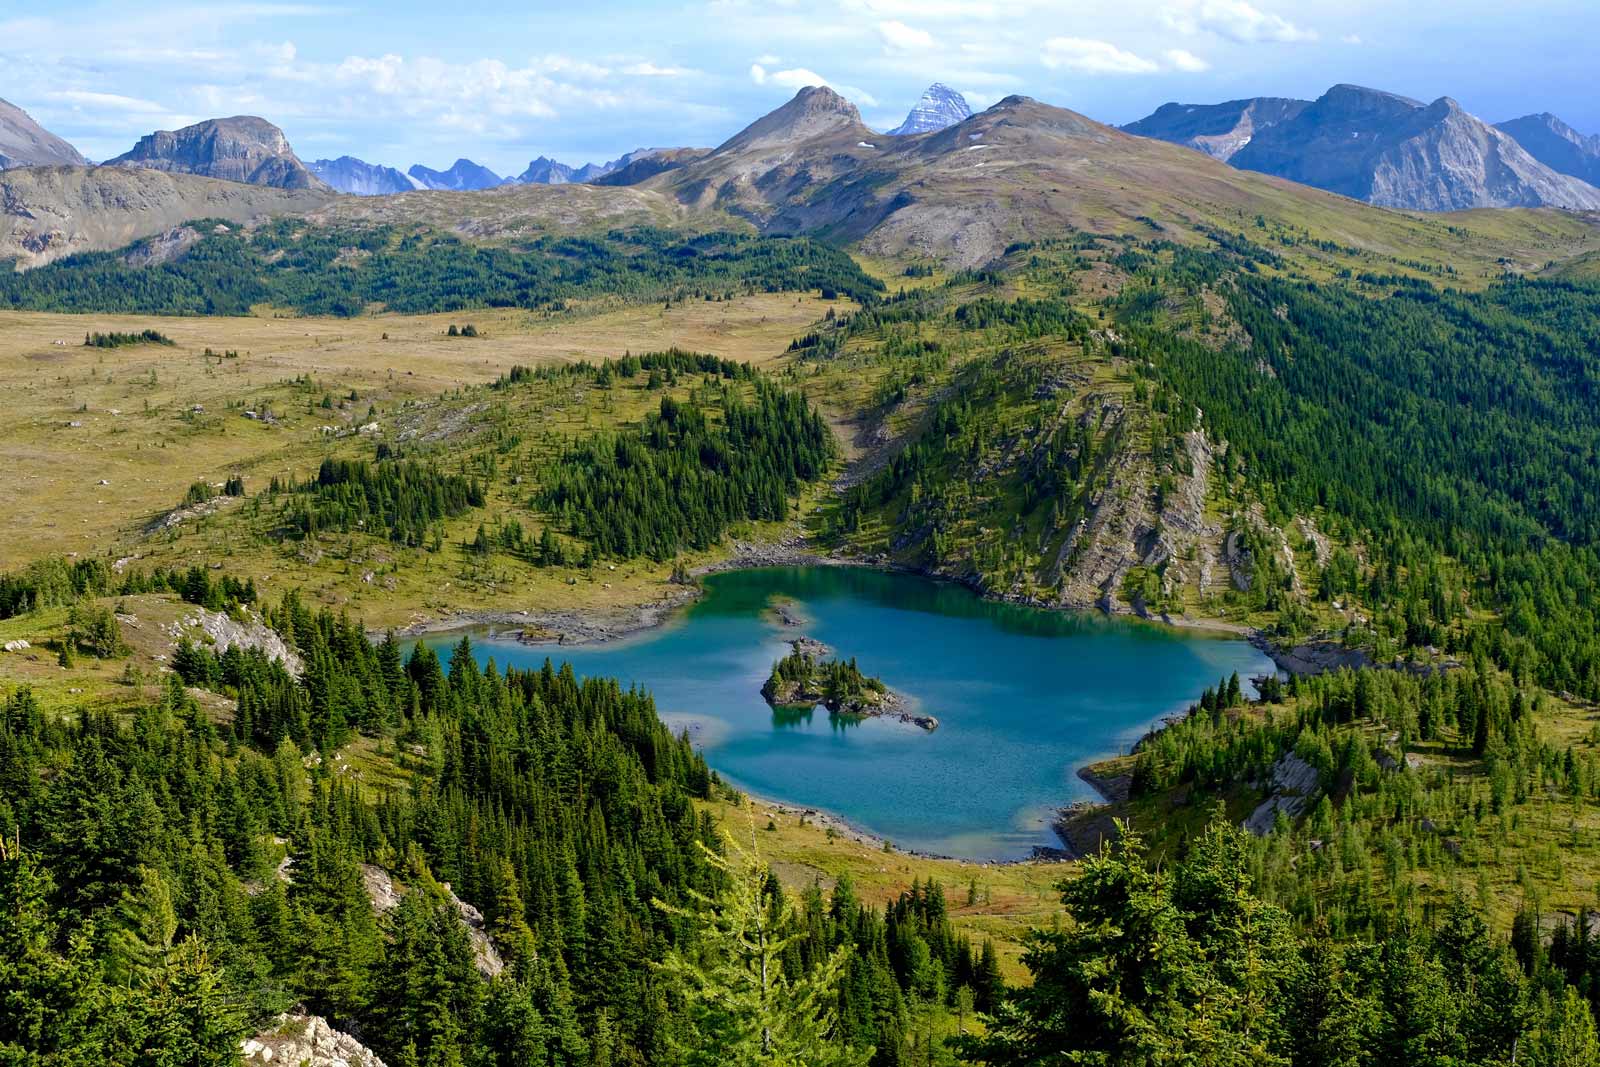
(806, 678)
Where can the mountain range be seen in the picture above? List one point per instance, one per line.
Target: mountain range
(1375, 146)
(962, 193)
(348, 174)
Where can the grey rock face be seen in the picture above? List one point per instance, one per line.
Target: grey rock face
(1375, 146)
(348, 174)
(1557, 145)
(305, 1041)
(25, 143)
(546, 171)
(239, 149)
(464, 174)
(940, 106)
(1218, 130)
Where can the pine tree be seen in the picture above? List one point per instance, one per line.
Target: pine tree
(741, 1006)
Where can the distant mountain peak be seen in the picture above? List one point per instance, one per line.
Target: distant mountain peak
(243, 148)
(1557, 145)
(813, 111)
(360, 178)
(940, 106)
(462, 175)
(25, 143)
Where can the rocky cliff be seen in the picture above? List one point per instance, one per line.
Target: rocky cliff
(1218, 130)
(1375, 146)
(240, 149)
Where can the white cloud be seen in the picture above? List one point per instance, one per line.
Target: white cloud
(1188, 62)
(796, 78)
(1352, 38)
(902, 38)
(651, 70)
(1093, 57)
(108, 101)
(770, 60)
(1235, 20)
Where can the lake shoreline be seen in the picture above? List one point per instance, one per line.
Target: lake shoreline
(852, 831)
(581, 627)
(577, 628)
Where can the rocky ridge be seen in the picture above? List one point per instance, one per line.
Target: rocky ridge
(25, 143)
(463, 174)
(1380, 147)
(1557, 145)
(244, 148)
(348, 174)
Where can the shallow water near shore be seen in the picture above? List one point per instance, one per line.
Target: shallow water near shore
(1024, 697)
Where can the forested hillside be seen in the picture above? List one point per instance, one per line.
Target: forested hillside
(290, 264)
(1392, 480)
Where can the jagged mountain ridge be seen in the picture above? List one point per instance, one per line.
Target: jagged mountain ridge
(462, 175)
(1218, 130)
(244, 148)
(1020, 170)
(939, 107)
(1557, 145)
(547, 171)
(348, 174)
(25, 143)
(1380, 147)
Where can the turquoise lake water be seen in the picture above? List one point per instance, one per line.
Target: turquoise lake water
(1024, 698)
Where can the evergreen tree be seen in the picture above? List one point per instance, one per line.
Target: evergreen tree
(742, 1008)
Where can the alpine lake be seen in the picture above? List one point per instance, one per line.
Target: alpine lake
(1024, 698)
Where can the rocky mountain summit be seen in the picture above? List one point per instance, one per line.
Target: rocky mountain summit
(348, 174)
(25, 143)
(463, 174)
(1375, 146)
(243, 148)
(1557, 145)
(940, 106)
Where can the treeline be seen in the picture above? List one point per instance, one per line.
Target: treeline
(342, 270)
(55, 582)
(680, 479)
(402, 500)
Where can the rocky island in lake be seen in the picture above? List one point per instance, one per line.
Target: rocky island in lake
(806, 678)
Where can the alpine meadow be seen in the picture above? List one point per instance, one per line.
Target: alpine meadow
(1016, 590)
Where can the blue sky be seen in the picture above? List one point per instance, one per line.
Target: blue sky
(400, 82)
